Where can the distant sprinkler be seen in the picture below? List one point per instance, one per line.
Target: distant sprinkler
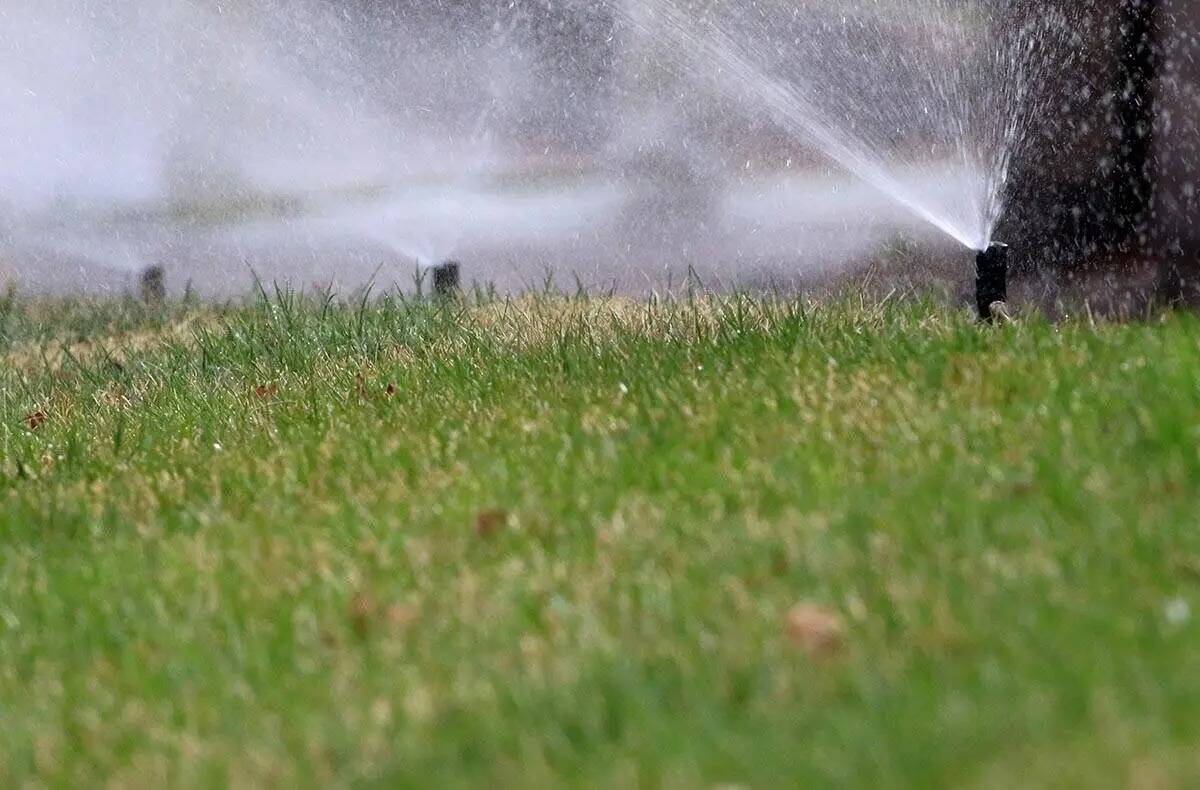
(152, 285)
(447, 278)
(991, 282)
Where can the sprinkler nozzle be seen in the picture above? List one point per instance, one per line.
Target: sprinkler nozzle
(152, 285)
(447, 278)
(991, 280)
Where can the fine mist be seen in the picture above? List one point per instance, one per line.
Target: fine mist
(320, 142)
(942, 87)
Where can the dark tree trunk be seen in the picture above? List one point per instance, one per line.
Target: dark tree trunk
(1177, 155)
(1083, 194)
(1134, 117)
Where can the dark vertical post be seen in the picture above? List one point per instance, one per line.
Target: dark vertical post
(1179, 280)
(1134, 117)
(1177, 151)
(991, 280)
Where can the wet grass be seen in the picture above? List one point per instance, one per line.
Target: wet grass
(549, 541)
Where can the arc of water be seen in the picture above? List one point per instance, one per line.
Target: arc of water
(711, 49)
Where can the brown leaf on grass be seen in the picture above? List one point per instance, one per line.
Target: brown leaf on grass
(391, 390)
(489, 522)
(818, 631)
(366, 614)
(362, 613)
(264, 391)
(399, 616)
(35, 420)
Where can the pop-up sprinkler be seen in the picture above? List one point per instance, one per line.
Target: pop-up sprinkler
(152, 285)
(991, 280)
(447, 278)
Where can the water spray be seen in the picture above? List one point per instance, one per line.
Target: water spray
(991, 280)
(447, 278)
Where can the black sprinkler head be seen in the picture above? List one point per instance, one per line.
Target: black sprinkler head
(152, 285)
(991, 280)
(447, 278)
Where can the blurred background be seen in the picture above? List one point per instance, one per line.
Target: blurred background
(332, 143)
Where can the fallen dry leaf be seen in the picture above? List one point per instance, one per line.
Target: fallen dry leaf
(815, 629)
(362, 612)
(400, 615)
(36, 420)
(488, 522)
(366, 613)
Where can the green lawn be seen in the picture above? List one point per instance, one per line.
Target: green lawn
(579, 542)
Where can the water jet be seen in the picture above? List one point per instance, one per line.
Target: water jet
(991, 280)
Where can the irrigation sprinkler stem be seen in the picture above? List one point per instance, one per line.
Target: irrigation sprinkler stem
(447, 278)
(991, 280)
